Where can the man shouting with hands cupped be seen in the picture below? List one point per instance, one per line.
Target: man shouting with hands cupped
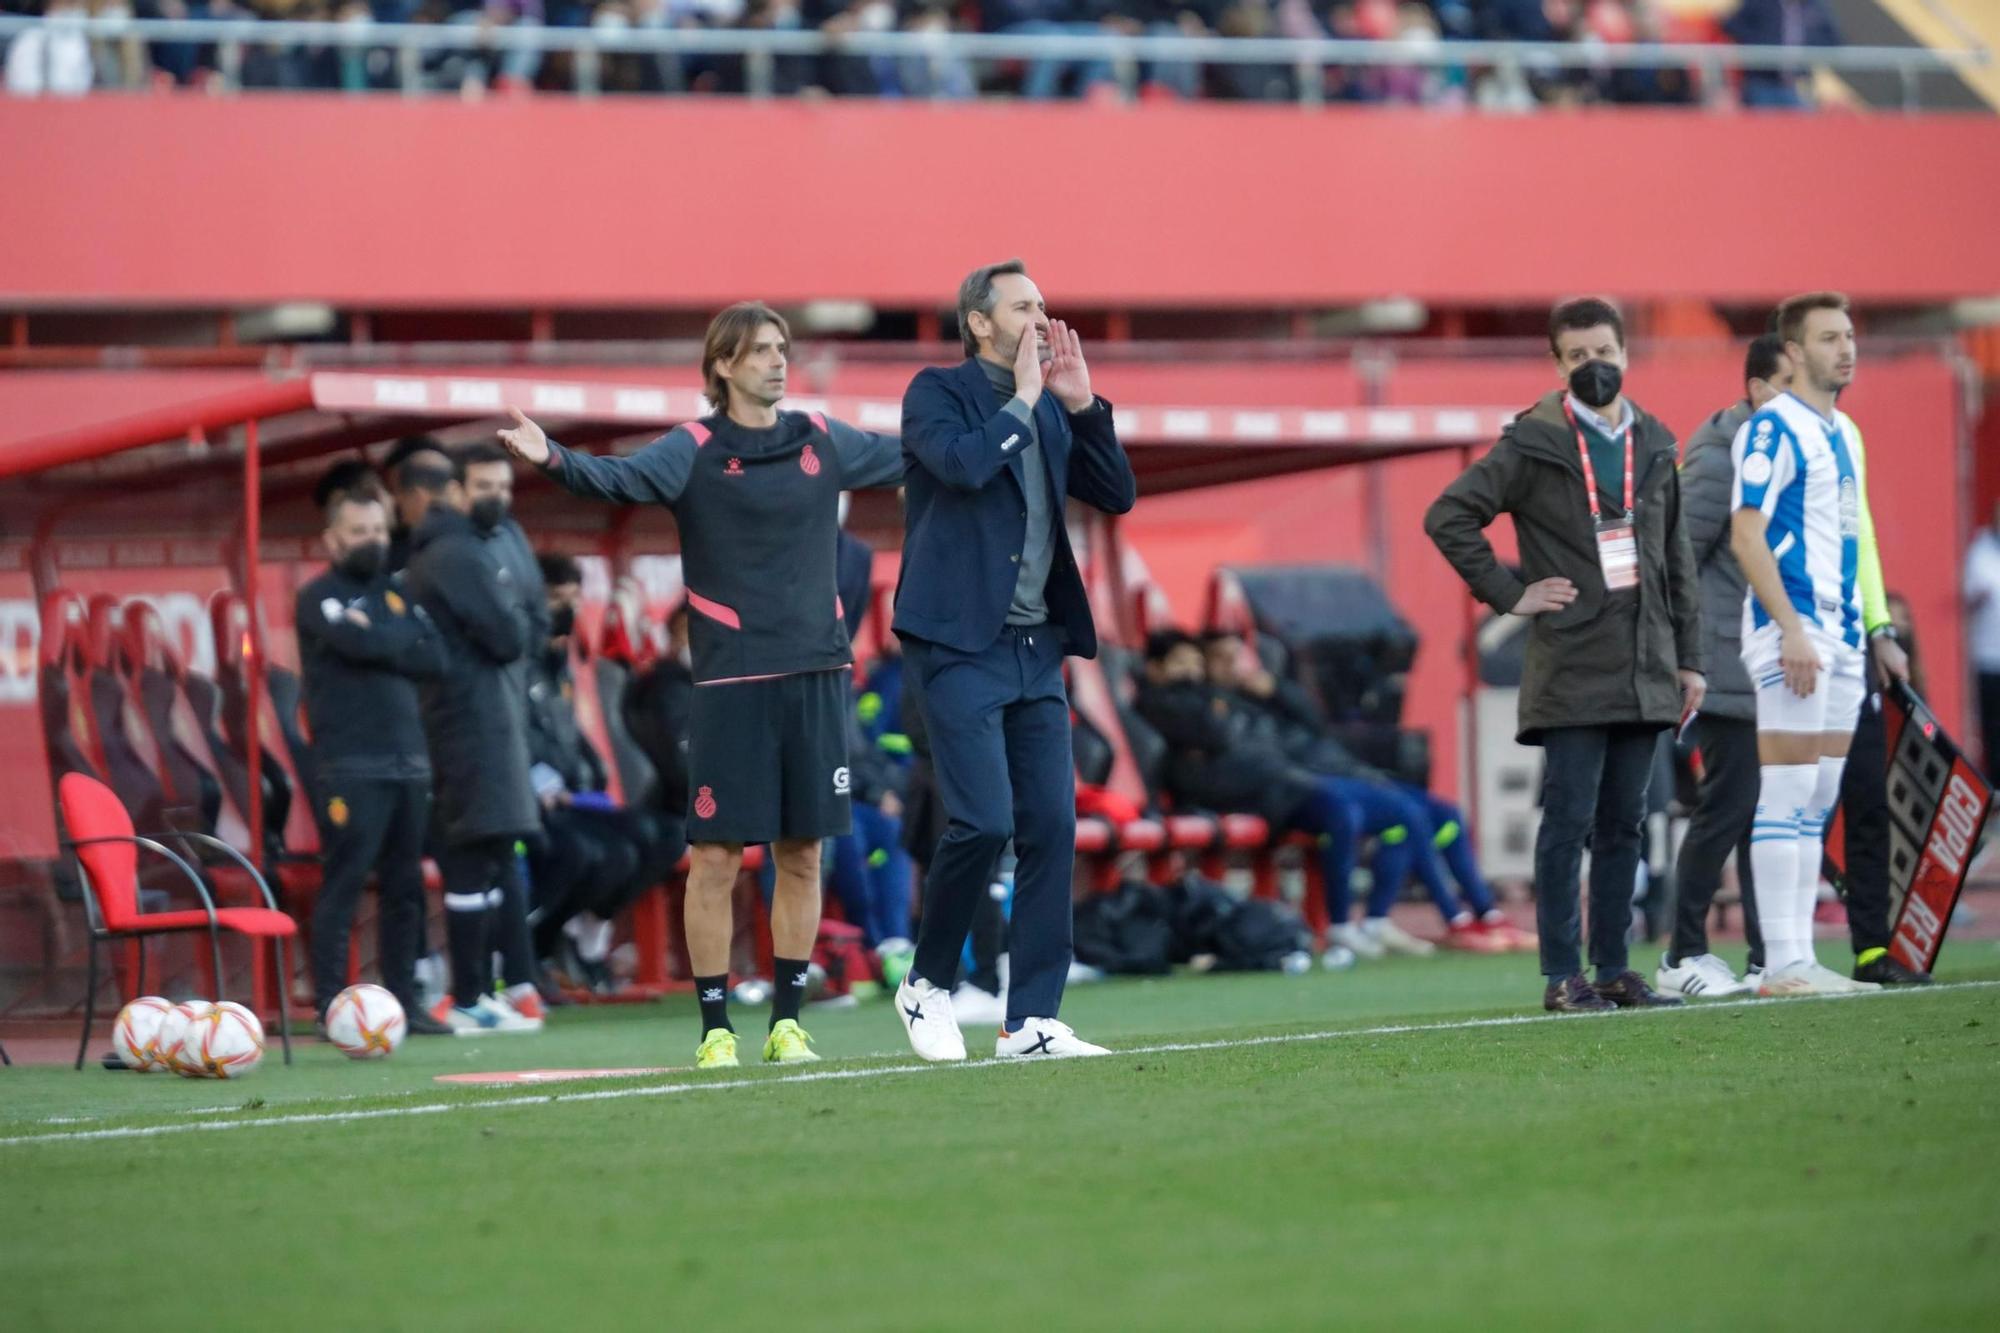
(989, 602)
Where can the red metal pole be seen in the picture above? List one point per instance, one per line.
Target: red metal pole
(253, 638)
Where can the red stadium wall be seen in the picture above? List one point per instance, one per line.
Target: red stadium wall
(693, 203)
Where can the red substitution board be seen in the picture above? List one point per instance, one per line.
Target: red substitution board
(1938, 802)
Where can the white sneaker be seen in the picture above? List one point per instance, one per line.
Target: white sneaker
(473, 1022)
(1337, 958)
(432, 978)
(1357, 941)
(1830, 982)
(1043, 1039)
(1702, 977)
(969, 1004)
(1792, 979)
(1394, 939)
(504, 1017)
(926, 1014)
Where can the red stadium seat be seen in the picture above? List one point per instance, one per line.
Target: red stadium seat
(106, 849)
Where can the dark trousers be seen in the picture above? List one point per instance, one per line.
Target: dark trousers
(1864, 801)
(485, 912)
(1593, 790)
(1725, 802)
(598, 861)
(1000, 749)
(377, 828)
(1989, 724)
(871, 873)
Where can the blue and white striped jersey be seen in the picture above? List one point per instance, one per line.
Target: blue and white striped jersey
(1799, 469)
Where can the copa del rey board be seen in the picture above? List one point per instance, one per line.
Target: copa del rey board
(1938, 802)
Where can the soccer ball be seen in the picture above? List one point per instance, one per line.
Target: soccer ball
(174, 1025)
(227, 1041)
(137, 1029)
(365, 1022)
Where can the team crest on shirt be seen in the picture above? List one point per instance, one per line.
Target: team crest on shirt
(735, 468)
(704, 803)
(336, 811)
(809, 462)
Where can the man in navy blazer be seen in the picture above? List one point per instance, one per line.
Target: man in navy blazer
(988, 604)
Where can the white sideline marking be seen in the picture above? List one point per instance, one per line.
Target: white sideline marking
(844, 1075)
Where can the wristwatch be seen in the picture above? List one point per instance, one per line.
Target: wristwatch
(1885, 632)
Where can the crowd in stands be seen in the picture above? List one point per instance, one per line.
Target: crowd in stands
(52, 59)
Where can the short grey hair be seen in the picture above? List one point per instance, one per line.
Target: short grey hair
(976, 293)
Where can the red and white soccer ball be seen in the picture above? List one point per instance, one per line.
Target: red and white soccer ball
(366, 1022)
(174, 1025)
(138, 1030)
(226, 1041)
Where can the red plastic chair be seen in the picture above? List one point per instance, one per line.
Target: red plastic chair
(107, 855)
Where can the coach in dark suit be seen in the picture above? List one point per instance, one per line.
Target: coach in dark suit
(989, 603)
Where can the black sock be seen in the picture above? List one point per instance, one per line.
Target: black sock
(465, 940)
(713, 992)
(789, 990)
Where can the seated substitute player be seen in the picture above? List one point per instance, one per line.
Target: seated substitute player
(755, 493)
(1416, 831)
(1796, 531)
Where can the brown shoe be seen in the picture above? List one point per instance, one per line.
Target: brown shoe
(1628, 990)
(1573, 995)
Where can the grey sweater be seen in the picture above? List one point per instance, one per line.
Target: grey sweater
(1038, 547)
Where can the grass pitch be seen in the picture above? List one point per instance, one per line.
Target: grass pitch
(1804, 1164)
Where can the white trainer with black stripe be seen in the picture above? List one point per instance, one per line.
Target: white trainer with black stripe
(1702, 976)
(926, 1013)
(1043, 1039)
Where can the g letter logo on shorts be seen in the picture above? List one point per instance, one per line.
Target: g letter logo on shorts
(840, 782)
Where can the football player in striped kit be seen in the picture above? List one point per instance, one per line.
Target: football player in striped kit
(1797, 532)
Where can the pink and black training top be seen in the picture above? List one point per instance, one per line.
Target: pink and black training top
(758, 512)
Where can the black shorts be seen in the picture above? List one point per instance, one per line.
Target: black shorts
(767, 759)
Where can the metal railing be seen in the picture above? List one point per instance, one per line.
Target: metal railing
(760, 51)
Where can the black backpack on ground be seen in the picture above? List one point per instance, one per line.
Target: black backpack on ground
(1128, 931)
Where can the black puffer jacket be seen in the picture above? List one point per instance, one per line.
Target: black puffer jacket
(554, 737)
(475, 716)
(656, 707)
(1299, 729)
(1224, 755)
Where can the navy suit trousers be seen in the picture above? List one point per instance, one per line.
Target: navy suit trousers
(1000, 745)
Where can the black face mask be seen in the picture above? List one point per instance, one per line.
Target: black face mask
(487, 512)
(1596, 383)
(365, 561)
(561, 621)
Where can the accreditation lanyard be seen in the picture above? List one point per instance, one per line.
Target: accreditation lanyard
(1617, 543)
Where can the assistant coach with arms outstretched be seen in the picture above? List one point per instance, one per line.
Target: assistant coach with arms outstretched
(989, 603)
